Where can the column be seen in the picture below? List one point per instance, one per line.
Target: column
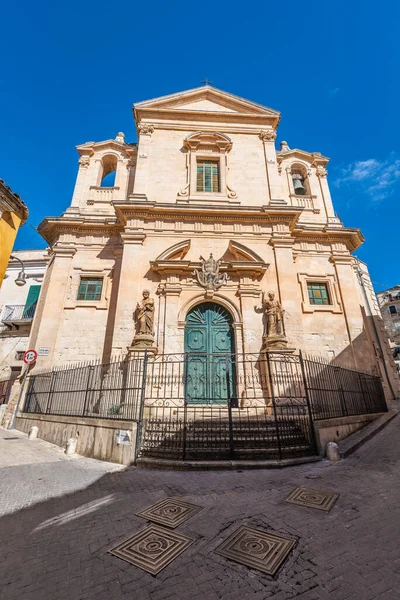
(348, 287)
(172, 334)
(143, 156)
(321, 173)
(50, 310)
(129, 290)
(288, 287)
(274, 185)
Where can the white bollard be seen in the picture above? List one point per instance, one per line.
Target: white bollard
(33, 433)
(332, 451)
(71, 445)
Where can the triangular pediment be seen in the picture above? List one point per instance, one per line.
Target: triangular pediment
(206, 99)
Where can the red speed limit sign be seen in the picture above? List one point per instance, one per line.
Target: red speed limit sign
(30, 356)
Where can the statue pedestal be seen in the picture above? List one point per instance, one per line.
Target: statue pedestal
(142, 342)
(276, 343)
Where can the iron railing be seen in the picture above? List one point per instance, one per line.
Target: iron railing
(193, 406)
(338, 392)
(107, 391)
(18, 313)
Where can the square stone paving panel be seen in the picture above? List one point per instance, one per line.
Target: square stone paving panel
(312, 498)
(170, 512)
(152, 548)
(256, 548)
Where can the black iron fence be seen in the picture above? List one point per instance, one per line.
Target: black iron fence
(108, 391)
(194, 406)
(338, 392)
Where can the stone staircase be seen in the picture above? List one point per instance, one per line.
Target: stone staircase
(214, 439)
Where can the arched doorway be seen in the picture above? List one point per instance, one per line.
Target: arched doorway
(210, 375)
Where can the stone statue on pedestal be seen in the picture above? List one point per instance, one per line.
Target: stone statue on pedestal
(145, 314)
(274, 331)
(144, 338)
(274, 315)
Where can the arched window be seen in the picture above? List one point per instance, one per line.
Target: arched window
(300, 182)
(109, 167)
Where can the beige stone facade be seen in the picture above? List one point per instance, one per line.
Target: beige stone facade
(269, 221)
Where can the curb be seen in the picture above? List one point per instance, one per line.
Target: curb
(204, 465)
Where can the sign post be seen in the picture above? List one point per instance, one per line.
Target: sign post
(30, 357)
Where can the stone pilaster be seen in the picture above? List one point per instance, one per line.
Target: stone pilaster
(50, 310)
(172, 335)
(129, 291)
(145, 131)
(274, 186)
(252, 322)
(347, 283)
(288, 287)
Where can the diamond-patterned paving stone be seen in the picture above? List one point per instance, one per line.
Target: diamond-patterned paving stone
(312, 498)
(170, 512)
(152, 548)
(256, 548)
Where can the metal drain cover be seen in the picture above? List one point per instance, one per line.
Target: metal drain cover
(170, 512)
(152, 548)
(256, 548)
(312, 498)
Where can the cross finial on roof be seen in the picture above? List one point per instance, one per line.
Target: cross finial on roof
(206, 81)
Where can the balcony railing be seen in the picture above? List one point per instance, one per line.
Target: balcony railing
(302, 202)
(17, 314)
(102, 194)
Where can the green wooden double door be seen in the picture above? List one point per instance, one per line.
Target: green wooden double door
(210, 376)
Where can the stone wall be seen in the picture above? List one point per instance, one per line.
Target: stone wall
(97, 438)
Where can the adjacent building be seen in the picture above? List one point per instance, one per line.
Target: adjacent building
(17, 309)
(389, 304)
(206, 216)
(13, 214)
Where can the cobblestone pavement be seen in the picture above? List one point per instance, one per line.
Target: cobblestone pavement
(61, 515)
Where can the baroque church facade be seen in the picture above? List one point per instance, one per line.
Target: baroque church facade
(208, 240)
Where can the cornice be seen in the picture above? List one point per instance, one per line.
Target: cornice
(314, 158)
(157, 115)
(11, 202)
(265, 213)
(51, 227)
(352, 238)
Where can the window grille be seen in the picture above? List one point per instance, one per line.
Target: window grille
(392, 310)
(318, 293)
(90, 288)
(208, 176)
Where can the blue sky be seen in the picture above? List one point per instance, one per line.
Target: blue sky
(71, 72)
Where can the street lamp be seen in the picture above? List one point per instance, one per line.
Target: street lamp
(21, 279)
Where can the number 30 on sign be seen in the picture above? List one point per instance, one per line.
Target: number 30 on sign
(30, 356)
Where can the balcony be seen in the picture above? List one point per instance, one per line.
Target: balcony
(101, 195)
(17, 314)
(306, 202)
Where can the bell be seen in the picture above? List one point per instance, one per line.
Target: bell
(298, 185)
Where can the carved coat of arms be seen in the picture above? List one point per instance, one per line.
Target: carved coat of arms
(210, 277)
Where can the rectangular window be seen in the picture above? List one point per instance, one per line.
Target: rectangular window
(392, 310)
(318, 293)
(31, 302)
(90, 288)
(208, 176)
